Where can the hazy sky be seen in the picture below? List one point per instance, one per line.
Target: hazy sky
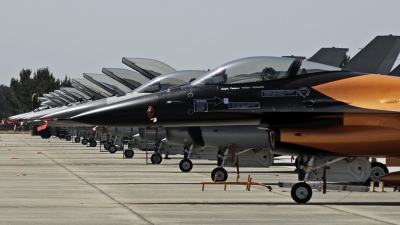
(76, 37)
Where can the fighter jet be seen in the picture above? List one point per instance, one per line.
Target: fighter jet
(321, 113)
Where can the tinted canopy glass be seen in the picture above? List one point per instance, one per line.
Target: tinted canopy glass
(92, 87)
(168, 80)
(148, 67)
(131, 77)
(107, 83)
(260, 69)
(75, 92)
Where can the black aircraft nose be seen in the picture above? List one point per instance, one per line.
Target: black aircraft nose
(128, 113)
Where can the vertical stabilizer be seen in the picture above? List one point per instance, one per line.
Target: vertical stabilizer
(378, 56)
(329, 56)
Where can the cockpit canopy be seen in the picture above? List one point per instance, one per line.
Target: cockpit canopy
(168, 80)
(260, 69)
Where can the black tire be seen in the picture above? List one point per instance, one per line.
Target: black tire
(107, 145)
(186, 165)
(45, 134)
(93, 144)
(68, 138)
(301, 192)
(85, 141)
(377, 170)
(112, 149)
(129, 154)
(77, 139)
(222, 175)
(156, 158)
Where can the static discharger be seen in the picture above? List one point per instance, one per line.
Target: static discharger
(247, 182)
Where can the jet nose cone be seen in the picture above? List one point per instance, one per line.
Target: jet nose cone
(132, 112)
(391, 178)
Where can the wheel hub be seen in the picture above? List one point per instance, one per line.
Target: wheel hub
(376, 173)
(301, 193)
(220, 175)
(186, 165)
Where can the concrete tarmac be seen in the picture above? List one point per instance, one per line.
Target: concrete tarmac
(53, 181)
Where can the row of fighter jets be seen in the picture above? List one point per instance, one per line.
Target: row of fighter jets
(244, 113)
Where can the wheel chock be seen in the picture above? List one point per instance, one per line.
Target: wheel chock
(371, 186)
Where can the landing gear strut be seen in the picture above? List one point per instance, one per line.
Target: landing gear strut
(186, 165)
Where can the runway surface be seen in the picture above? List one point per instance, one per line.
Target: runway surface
(52, 181)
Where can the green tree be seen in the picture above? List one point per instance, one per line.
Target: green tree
(18, 98)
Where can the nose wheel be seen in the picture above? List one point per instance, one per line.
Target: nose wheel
(186, 165)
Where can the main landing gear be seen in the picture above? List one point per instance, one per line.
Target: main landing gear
(77, 139)
(221, 173)
(129, 153)
(301, 192)
(339, 169)
(156, 158)
(186, 165)
(93, 143)
(84, 141)
(112, 149)
(106, 145)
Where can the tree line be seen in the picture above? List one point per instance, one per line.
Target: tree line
(19, 96)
